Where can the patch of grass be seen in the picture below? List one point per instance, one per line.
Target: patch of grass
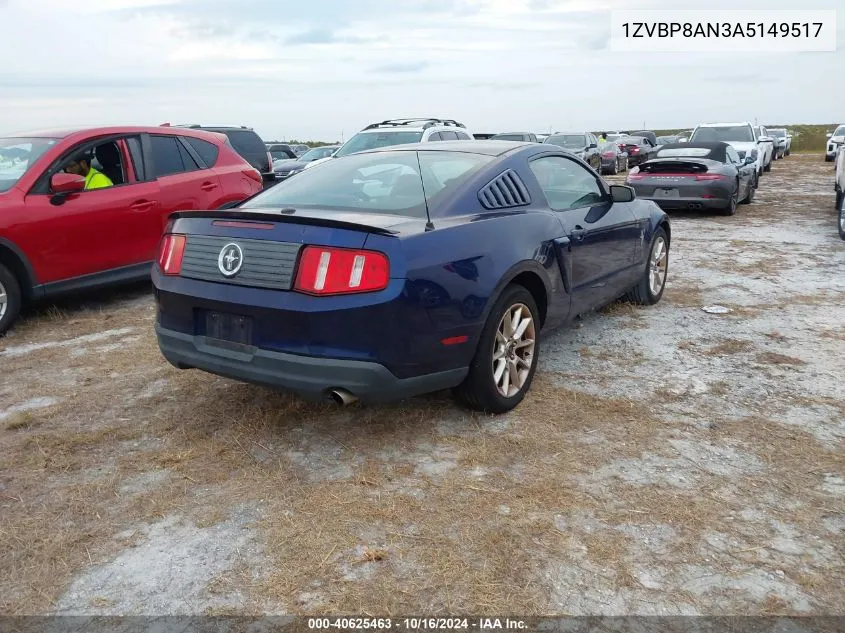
(774, 358)
(728, 347)
(21, 420)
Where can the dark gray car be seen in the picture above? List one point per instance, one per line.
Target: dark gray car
(582, 144)
(696, 175)
(287, 168)
(525, 137)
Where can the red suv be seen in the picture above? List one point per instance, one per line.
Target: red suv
(56, 236)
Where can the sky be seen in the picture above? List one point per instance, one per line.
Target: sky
(324, 69)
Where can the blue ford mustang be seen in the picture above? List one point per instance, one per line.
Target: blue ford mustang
(405, 270)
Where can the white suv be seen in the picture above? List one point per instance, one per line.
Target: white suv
(834, 140)
(839, 187)
(400, 132)
(741, 136)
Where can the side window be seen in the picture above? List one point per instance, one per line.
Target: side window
(166, 155)
(448, 135)
(435, 136)
(187, 159)
(733, 156)
(463, 136)
(208, 152)
(566, 184)
(137, 155)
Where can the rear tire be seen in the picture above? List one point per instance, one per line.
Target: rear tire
(646, 291)
(480, 390)
(10, 299)
(839, 195)
(731, 208)
(615, 169)
(769, 166)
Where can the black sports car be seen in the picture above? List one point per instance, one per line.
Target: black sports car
(697, 175)
(638, 148)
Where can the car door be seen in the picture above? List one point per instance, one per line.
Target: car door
(746, 172)
(603, 236)
(93, 231)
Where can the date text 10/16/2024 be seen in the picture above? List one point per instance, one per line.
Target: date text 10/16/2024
(416, 624)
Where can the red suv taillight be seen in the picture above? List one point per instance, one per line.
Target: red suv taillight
(331, 271)
(170, 253)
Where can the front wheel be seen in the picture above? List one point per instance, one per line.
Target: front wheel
(506, 357)
(10, 299)
(749, 197)
(650, 288)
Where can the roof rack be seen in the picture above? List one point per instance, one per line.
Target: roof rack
(196, 126)
(427, 122)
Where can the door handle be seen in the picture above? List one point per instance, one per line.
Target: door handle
(142, 205)
(208, 186)
(578, 234)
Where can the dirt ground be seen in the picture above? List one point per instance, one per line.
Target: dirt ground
(667, 460)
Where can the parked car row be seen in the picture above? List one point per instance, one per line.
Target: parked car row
(362, 273)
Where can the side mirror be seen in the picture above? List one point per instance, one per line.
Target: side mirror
(592, 146)
(66, 183)
(828, 135)
(683, 140)
(622, 193)
(748, 160)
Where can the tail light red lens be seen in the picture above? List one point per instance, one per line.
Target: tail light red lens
(170, 253)
(608, 155)
(333, 271)
(709, 177)
(636, 150)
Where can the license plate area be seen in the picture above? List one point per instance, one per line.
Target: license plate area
(228, 328)
(666, 192)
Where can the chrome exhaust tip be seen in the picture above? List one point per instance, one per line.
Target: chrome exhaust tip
(342, 397)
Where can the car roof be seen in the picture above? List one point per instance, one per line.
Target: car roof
(729, 124)
(108, 131)
(486, 147)
(717, 149)
(570, 132)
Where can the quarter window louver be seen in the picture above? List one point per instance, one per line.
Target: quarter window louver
(505, 191)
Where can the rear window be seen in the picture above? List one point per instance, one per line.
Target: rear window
(397, 183)
(371, 140)
(250, 146)
(507, 137)
(568, 140)
(208, 152)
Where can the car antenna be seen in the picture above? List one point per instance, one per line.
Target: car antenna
(429, 226)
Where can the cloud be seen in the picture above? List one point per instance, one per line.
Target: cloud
(401, 67)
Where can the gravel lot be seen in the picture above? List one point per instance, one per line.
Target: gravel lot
(667, 461)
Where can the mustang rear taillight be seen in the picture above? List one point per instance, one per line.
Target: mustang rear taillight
(333, 271)
(170, 253)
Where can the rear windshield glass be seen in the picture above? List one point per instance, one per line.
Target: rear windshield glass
(728, 134)
(17, 155)
(247, 144)
(568, 140)
(663, 140)
(691, 152)
(371, 140)
(398, 183)
(316, 153)
(508, 137)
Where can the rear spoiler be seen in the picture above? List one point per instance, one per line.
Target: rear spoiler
(280, 216)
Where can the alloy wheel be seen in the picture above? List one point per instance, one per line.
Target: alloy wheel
(657, 266)
(4, 300)
(513, 351)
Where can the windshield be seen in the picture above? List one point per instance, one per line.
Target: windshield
(731, 134)
(371, 140)
(665, 140)
(17, 155)
(840, 131)
(568, 140)
(316, 153)
(777, 133)
(690, 152)
(397, 183)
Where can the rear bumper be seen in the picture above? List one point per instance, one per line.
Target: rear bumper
(679, 204)
(309, 377)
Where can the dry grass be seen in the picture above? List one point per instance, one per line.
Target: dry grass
(684, 295)
(728, 347)
(774, 358)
